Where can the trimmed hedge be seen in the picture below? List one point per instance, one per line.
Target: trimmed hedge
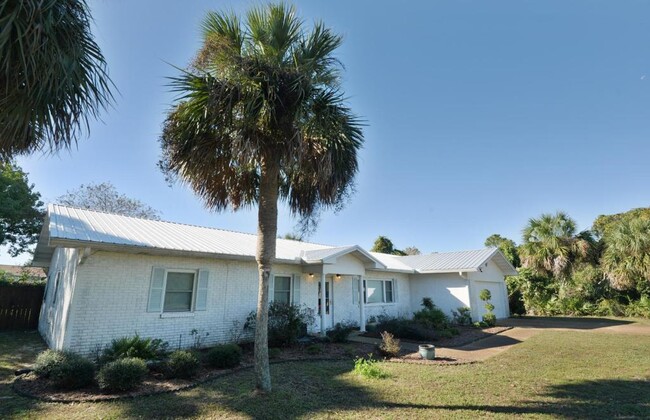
(224, 356)
(65, 369)
(122, 374)
(182, 364)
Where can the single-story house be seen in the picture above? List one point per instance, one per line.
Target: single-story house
(111, 276)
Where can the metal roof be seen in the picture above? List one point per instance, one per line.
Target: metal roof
(73, 227)
(446, 262)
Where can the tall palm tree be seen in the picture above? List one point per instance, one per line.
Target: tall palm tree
(626, 259)
(551, 246)
(52, 75)
(261, 118)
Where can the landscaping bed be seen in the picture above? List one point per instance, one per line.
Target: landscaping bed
(32, 386)
(467, 335)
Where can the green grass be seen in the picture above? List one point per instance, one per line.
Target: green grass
(556, 374)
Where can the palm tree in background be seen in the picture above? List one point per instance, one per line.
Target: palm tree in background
(626, 259)
(53, 75)
(551, 246)
(261, 118)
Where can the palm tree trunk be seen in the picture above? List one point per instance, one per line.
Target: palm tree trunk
(267, 229)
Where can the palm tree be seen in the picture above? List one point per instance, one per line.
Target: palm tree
(260, 118)
(551, 245)
(52, 75)
(626, 259)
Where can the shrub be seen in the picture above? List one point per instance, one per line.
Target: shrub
(314, 349)
(142, 348)
(287, 323)
(431, 316)
(122, 374)
(341, 331)
(66, 370)
(390, 346)
(462, 316)
(404, 328)
(225, 356)
(274, 353)
(368, 368)
(182, 364)
(490, 319)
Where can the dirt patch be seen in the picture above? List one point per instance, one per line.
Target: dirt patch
(31, 386)
(416, 359)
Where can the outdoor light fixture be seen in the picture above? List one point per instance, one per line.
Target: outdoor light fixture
(338, 276)
(311, 274)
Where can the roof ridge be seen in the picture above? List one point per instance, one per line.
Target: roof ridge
(175, 223)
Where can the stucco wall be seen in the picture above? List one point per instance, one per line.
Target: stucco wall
(490, 277)
(54, 316)
(449, 291)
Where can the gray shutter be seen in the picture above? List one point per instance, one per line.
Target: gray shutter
(355, 291)
(201, 302)
(394, 290)
(271, 287)
(156, 290)
(295, 293)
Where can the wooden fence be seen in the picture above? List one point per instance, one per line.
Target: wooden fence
(20, 306)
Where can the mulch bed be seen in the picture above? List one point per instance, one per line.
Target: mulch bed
(468, 334)
(42, 389)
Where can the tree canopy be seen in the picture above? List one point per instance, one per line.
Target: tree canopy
(53, 76)
(104, 197)
(260, 118)
(385, 246)
(507, 246)
(21, 210)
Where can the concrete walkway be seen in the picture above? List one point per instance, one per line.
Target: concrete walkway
(524, 328)
(473, 352)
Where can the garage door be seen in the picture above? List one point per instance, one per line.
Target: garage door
(499, 299)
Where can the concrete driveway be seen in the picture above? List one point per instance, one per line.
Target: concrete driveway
(604, 325)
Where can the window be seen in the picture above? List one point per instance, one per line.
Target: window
(179, 288)
(56, 286)
(282, 289)
(379, 291)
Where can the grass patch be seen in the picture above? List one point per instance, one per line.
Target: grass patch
(556, 374)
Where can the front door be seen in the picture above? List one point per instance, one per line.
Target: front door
(328, 304)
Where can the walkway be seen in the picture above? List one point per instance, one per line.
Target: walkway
(524, 328)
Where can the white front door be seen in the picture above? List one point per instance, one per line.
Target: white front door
(328, 303)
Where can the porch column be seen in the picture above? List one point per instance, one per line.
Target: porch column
(323, 306)
(362, 309)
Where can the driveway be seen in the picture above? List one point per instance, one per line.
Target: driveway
(603, 325)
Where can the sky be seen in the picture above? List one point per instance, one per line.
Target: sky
(480, 115)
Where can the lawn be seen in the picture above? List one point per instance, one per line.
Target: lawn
(553, 374)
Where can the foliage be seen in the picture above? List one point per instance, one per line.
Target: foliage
(604, 223)
(411, 250)
(340, 332)
(385, 246)
(286, 323)
(182, 364)
(65, 369)
(507, 246)
(551, 246)
(431, 316)
(489, 318)
(21, 208)
(261, 117)
(314, 349)
(142, 348)
(224, 356)
(390, 346)
(274, 352)
(462, 316)
(368, 368)
(404, 328)
(122, 374)
(53, 75)
(626, 259)
(104, 197)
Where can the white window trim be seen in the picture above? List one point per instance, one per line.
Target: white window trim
(291, 280)
(383, 285)
(164, 314)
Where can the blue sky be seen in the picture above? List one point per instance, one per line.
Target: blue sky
(480, 115)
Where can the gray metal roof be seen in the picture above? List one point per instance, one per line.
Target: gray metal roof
(446, 262)
(74, 227)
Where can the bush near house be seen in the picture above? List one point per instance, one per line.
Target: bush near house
(431, 316)
(224, 356)
(182, 364)
(65, 369)
(340, 332)
(142, 348)
(122, 374)
(462, 316)
(287, 323)
(390, 346)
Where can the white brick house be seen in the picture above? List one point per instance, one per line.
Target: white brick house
(111, 276)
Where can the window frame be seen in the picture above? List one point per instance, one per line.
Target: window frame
(194, 286)
(291, 280)
(383, 287)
